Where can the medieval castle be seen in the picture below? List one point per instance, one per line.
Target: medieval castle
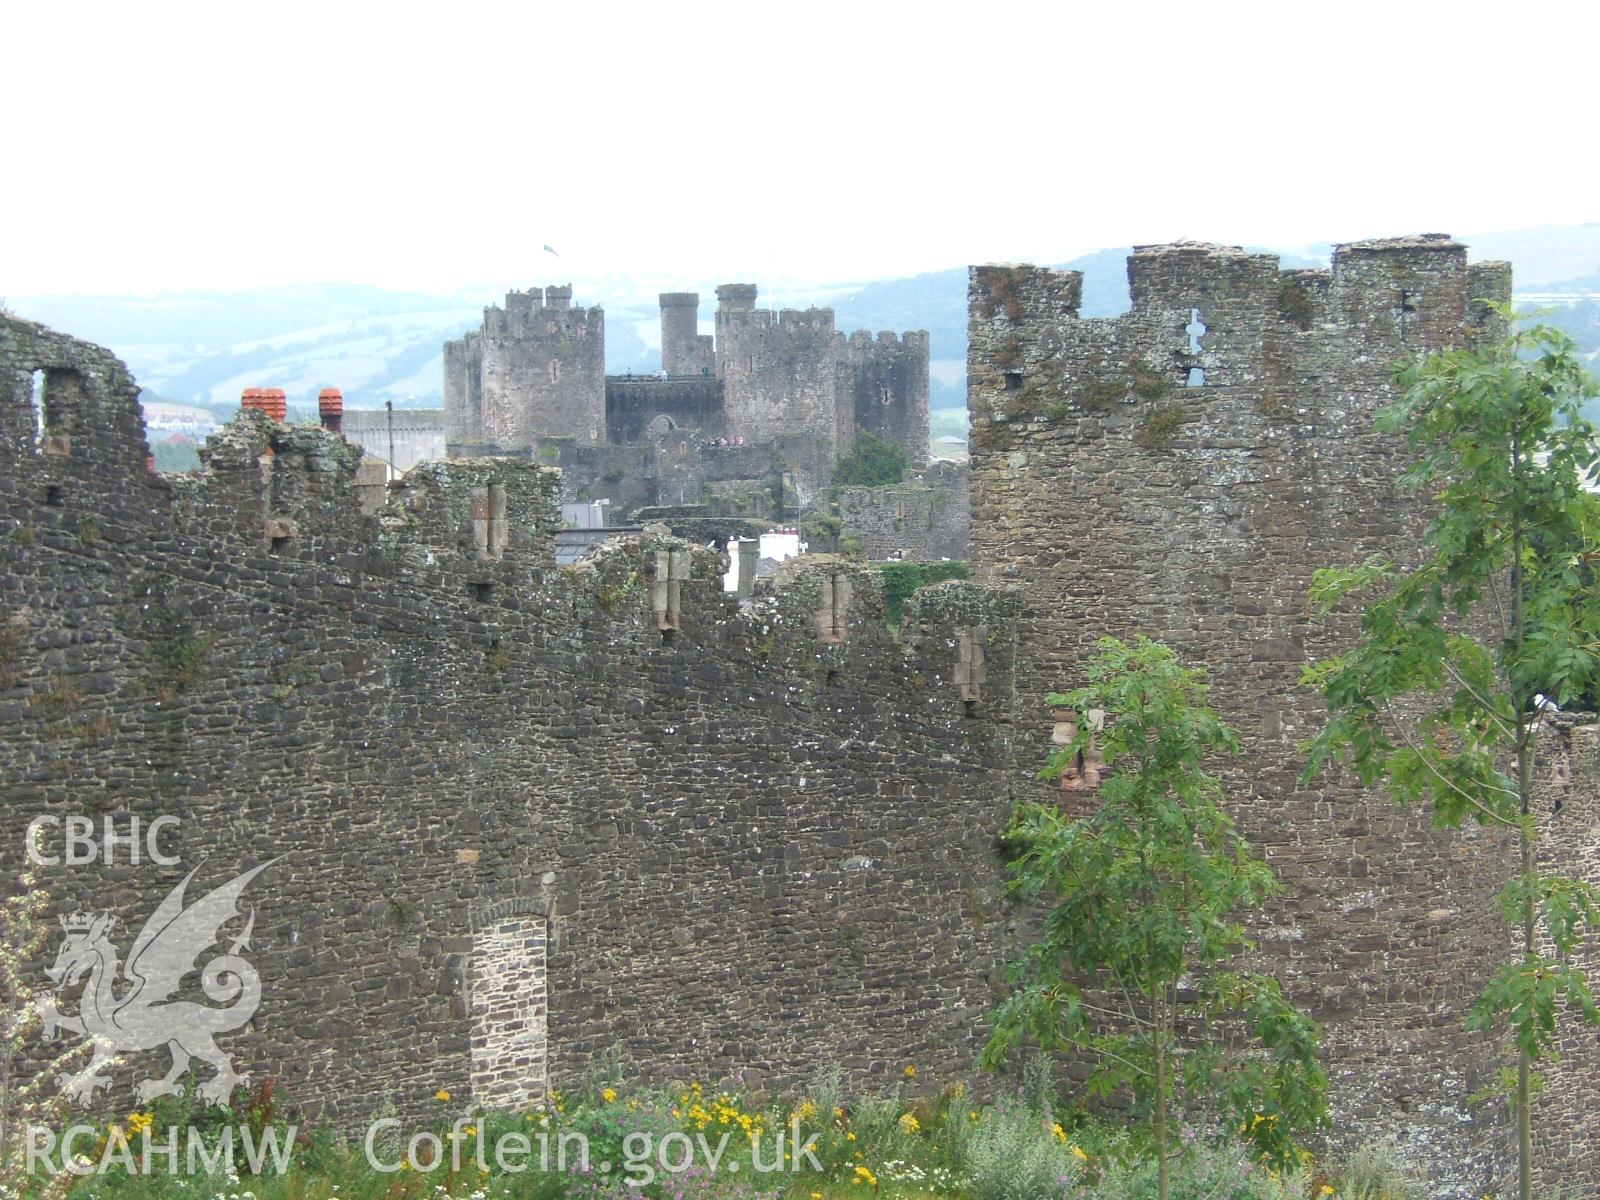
(530, 813)
(771, 388)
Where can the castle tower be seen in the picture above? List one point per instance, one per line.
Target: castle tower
(883, 388)
(780, 376)
(536, 369)
(1180, 471)
(684, 351)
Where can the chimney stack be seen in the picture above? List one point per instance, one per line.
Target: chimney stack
(271, 401)
(330, 407)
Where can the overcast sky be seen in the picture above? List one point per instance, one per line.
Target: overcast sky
(156, 146)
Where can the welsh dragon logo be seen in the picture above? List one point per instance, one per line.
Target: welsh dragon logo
(138, 1011)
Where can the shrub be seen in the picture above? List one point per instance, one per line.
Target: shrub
(1004, 286)
(1372, 1173)
(873, 462)
(1159, 426)
(991, 435)
(1295, 304)
(1204, 1173)
(1149, 383)
(1011, 1155)
(900, 579)
(1098, 395)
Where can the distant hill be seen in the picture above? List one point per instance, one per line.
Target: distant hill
(204, 347)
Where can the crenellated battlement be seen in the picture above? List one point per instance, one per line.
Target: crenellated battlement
(1207, 317)
(542, 313)
(912, 341)
(423, 710)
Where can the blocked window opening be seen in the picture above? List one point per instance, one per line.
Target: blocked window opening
(1013, 381)
(833, 679)
(1082, 773)
(1197, 378)
(510, 1012)
(489, 521)
(482, 591)
(666, 593)
(498, 533)
(54, 495)
(971, 667)
(281, 543)
(834, 612)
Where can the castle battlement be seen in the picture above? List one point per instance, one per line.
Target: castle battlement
(432, 719)
(914, 340)
(1206, 317)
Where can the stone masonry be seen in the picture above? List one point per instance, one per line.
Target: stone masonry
(754, 838)
(1180, 471)
(528, 815)
(923, 519)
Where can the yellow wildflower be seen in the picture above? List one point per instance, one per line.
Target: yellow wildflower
(909, 1123)
(1061, 1134)
(609, 1095)
(911, 1071)
(850, 1137)
(1082, 1157)
(865, 1175)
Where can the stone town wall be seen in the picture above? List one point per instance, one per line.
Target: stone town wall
(1567, 772)
(1180, 471)
(926, 518)
(737, 839)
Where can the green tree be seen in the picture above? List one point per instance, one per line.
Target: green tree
(1438, 698)
(1148, 891)
(872, 462)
